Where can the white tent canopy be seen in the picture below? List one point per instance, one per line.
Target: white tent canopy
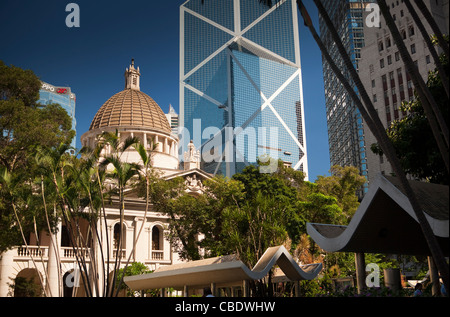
(223, 271)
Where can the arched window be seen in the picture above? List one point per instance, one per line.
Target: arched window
(156, 242)
(117, 236)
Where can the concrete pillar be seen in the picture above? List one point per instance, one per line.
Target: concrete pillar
(139, 248)
(98, 258)
(145, 140)
(392, 279)
(6, 270)
(53, 268)
(434, 275)
(245, 288)
(186, 291)
(360, 271)
(158, 143)
(53, 271)
(297, 288)
(214, 289)
(166, 146)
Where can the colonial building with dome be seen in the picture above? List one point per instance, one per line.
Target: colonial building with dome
(130, 112)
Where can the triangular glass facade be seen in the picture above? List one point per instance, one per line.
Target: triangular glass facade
(240, 72)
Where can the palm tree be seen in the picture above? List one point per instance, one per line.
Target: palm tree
(63, 172)
(121, 173)
(10, 188)
(372, 120)
(146, 173)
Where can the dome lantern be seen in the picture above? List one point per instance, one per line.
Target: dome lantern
(132, 77)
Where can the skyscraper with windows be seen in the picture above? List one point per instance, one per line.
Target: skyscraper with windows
(386, 79)
(49, 94)
(172, 117)
(241, 83)
(345, 125)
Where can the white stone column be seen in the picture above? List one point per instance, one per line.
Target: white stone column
(145, 141)
(159, 147)
(53, 267)
(128, 246)
(6, 270)
(139, 247)
(166, 146)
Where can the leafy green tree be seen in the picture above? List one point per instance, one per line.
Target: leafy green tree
(25, 127)
(343, 184)
(135, 268)
(255, 226)
(24, 124)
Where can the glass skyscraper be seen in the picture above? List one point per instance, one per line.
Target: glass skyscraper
(241, 83)
(49, 94)
(345, 125)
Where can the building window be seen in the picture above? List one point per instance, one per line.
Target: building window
(117, 240)
(413, 49)
(411, 30)
(428, 59)
(389, 59)
(382, 63)
(156, 243)
(403, 32)
(397, 56)
(380, 46)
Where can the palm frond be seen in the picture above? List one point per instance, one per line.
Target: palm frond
(130, 141)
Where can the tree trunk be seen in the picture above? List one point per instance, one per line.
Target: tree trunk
(427, 15)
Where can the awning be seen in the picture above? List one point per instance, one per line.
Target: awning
(385, 221)
(225, 270)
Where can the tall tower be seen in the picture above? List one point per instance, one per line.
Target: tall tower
(241, 83)
(345, 125)
(49, 94)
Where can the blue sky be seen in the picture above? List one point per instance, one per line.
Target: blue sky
(92, 59)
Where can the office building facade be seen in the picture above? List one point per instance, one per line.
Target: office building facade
(386, 79)
(345, 124)
(173, 118)
(241, 84)
(49, 94)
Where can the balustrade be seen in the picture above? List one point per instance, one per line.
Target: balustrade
(70, 253)
(157, 255)
(32, 251)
